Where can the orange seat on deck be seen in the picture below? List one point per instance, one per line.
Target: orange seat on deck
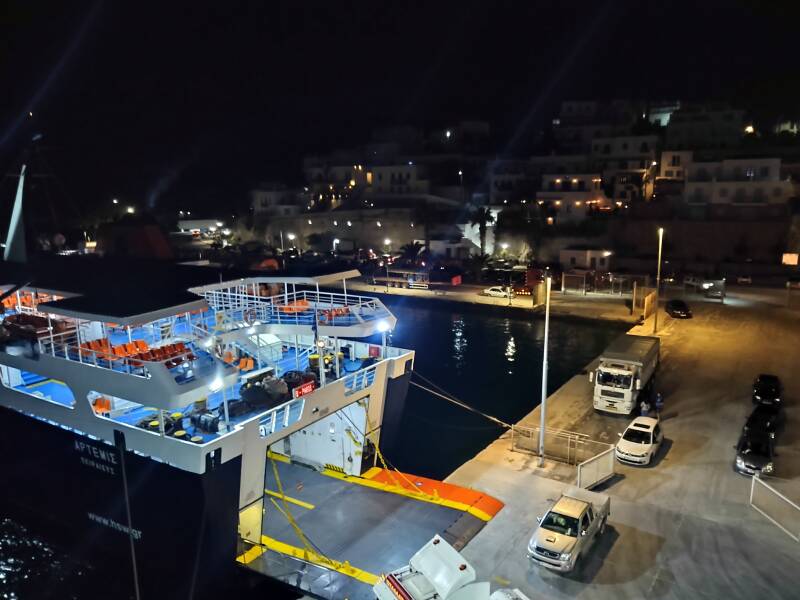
(227, 357)
(141, 345)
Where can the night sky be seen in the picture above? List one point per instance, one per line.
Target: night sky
(190, 104)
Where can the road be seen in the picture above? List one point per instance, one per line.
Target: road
(683, 527)
(592, 306)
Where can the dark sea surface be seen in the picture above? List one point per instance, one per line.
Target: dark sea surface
(490, 360)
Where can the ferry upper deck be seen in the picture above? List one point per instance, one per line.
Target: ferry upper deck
(273, 352)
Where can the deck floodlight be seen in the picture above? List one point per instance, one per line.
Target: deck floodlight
(215, 385)
(382, 326)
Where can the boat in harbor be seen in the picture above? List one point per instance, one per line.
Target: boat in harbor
(181, 425)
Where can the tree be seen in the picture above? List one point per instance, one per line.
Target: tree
(410, 252)
(482, 217)
(475, 264)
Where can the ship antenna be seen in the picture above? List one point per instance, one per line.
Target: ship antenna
(15, 249)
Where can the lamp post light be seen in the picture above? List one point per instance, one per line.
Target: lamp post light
(335, 243)
(461, 183)
(658, 277)
(543, 406)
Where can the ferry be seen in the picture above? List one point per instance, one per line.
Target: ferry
(181, 425)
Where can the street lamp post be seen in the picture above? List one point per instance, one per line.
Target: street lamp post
(543, 407)
(282, 248)
(658, 278)
(461, 183)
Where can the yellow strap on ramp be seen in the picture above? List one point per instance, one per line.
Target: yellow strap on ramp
(310, 556)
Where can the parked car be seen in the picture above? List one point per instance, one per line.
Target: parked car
(744, 280)
(713, 292)
(765, 419)
(568, 529)
(495, 292)
(767, 389)
(678, 309)
(640, 442)
(754, 454)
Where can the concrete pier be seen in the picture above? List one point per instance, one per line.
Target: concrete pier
(682, 527)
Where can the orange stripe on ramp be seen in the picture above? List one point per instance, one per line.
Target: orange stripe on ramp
(482, 504)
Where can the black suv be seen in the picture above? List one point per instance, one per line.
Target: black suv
(754, 454)
(678, 309)
(766, 419)
(767, 389)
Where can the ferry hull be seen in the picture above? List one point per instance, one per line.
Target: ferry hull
(183, 525)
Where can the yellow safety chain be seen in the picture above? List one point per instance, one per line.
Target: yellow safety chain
(435, 496)
(310, 553)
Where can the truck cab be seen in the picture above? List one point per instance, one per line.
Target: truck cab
(617, 387)
(438, 572)
(626, 373)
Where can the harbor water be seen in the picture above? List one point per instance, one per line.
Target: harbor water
(488, 358)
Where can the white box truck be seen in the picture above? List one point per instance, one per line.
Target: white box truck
(626, 373)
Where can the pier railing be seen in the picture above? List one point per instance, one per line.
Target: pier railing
(564, 446)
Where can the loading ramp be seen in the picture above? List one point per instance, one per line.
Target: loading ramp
(364, 526)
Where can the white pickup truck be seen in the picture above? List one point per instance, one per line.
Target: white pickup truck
(438, 571)
(569, 528)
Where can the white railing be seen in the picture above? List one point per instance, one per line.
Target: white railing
(597, 469)
(66, 346)
(281, 416)
(296, 308)
(776, 507)
(361, 379)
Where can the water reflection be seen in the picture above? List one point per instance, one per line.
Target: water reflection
(473, 355)
(459, 341)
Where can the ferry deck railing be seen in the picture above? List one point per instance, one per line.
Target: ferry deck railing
(66, 346)
(297, 308)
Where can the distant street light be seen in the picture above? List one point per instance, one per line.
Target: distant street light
(115, 201)
(335, 243)
(658, 278)
(447, 134)
(387, 242)
(291, 237)
(131, 210)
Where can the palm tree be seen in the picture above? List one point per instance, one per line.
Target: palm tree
(482, 217)
(411, 251)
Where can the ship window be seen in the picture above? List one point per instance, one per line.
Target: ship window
(37, 385)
